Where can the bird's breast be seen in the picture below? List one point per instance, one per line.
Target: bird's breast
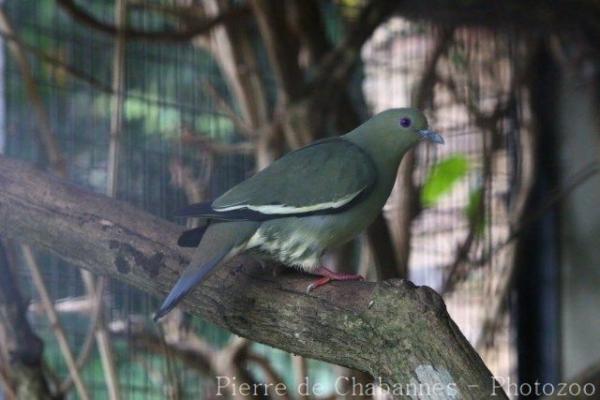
(293, 247)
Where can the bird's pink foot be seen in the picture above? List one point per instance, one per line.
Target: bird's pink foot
(328, 275)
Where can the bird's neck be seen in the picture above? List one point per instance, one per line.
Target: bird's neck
(386, 156)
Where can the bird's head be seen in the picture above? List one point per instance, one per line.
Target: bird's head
(390, 134)
(404, 127)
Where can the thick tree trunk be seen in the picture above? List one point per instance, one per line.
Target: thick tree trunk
(393, 330)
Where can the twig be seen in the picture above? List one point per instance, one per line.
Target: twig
(183, 178)
(56, 62)
(559, 194)
(423, 93)
(94, 289)
(118, 100)
(172, 379)
(202, 27)
(281, 48)
(488, 125)
(404, 196)
(7, 388)
(55, 324)
(116, 127)
(306, 23)
(206, 144)
(488, 129)
(83, 76)
(527, 147)
(227, 110)
(85, 306)
(335, 67)
(232, 48)
(85, 351)
(270, 373)
(157, 377)
(554, 197)
(46, 135)
(190, 13)
(78, 304)
(21, 351)
(300, 372)
(189, 348)
(488, 122)
(139, 337)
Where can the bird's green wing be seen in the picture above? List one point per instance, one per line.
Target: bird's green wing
(325, 176)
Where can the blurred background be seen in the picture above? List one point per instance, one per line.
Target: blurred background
(161, 103)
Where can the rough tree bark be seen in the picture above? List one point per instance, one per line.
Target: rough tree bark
(394, 330)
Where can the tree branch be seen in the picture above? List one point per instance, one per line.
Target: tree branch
(529, 15)
(281, 47)
(336, 67)
(391, 329)
(202, 27)
(233, 49)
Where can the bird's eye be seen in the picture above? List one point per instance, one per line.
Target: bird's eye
(405, 122)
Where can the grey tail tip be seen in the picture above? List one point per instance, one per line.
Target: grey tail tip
(167, 306)
(179, 291)
(161, 313)
(187, 282)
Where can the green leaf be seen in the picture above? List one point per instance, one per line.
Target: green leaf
(474, 211)
(442, 178)
(216, 126)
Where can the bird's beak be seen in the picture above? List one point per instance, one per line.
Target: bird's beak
(432, 136)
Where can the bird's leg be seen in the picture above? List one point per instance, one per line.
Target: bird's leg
(328, 275)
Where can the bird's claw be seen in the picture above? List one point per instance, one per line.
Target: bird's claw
(319, 282)
(328, 276)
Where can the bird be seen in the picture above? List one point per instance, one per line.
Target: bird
(310, 200)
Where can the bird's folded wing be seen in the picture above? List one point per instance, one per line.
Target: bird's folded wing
(192, 237)
(324, 177)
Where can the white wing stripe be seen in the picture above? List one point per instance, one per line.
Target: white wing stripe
(285, 209)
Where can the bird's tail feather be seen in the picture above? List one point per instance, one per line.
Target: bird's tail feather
(218, 243)
(186, 283)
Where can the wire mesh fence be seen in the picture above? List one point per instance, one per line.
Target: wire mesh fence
(176, 131)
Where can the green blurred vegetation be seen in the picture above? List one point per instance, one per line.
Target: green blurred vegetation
(442, 178)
